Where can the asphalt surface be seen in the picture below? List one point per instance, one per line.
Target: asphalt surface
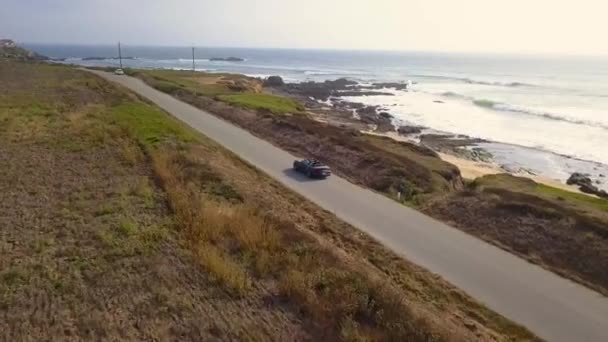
(554, 308)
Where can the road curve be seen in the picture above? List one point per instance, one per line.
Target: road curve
(554, 308)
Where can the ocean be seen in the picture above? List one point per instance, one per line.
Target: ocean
(547, 115)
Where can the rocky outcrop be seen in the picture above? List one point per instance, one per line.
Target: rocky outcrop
(370, 115)
(407, 130)
(394, 85)
(340, 84)
(585, 184)
(321, 90)
(340, 88)
(274, 81)
(363, 93)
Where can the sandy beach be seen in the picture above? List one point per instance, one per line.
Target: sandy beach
(471, 169)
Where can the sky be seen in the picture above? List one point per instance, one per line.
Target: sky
(497, 26)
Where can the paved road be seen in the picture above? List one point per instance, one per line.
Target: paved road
(554, 308)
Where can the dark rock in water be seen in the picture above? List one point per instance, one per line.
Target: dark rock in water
(585, 184)
(602, 176)
(578, 178)
(406, 130)
(350, 105)
(274, 81)
(363, 93)
(226, 59)
(457, 145)
(322, 90)
(438, 101)
(394, 85)
(318, 91)
(367, 110)
(369, 115)
(341, 83)
(478, 153)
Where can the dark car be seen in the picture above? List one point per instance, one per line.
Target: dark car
(312, 168)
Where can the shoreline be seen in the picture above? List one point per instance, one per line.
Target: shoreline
(341, 102)
(472, 169)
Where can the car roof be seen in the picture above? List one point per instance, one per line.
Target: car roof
(314, 162)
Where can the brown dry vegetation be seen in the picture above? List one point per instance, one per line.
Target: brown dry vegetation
(116, 222)
(562, 231)
(88, 249)
(572, 242)
(359, 158)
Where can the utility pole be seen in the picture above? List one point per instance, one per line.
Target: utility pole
(119, 55)
(193, 66)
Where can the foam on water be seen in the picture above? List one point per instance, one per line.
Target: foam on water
(458, 116)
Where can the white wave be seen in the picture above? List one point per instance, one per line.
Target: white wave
(506, 107)
(472, 81)
(461, 116)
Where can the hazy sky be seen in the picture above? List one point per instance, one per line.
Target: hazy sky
(521, 26)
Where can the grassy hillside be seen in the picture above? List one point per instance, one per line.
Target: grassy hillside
(271, 103)
(13, 52)
(118, 222)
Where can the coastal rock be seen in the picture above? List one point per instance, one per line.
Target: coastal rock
(456, 145)
(369, 114)
(318, 91)
(348, 105)
(578, 178)
(367, 110)
(274, 81)
(407, 130)
(363, 93)
(394, 85)
(340, 83)
(585, 184)
(321, 90)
